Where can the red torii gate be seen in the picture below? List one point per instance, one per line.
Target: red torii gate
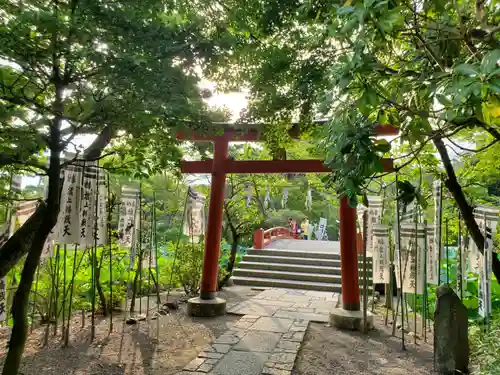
(208, 304)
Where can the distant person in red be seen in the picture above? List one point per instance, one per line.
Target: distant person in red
(293, 228)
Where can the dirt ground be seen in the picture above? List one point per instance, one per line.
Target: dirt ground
(161, 347)
(330, 351)
(165, 345)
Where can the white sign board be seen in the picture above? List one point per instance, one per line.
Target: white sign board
(487, 219)
(67, 229)
(380, 254)
(413, 257)
(432, 258)
(437, 191)
(194, 222)
(129, 203)
(320, 232)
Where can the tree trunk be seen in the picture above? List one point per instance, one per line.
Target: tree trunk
(466, 210)
(21, 298)
(134, 285)
(232, 255)
(102, 297)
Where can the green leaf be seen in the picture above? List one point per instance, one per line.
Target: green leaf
(490, 60)
(467, 69)
(365, 200)
(382, 145)
(443, 100)
(347, 9)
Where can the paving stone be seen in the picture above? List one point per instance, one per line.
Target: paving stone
(194, 364)
(245, 324)
(302, 315)
(274, 293)
(283, 357)
(240, 363)
(237, 333)
(211, 361)
(260, 310)
(272, 325)
(324, 305)
(188, 373)
(274, 371)
(221, 348)
(289, 346)
(294, 336)
(301, 322)
(210, 355)
(227, 339)
(205, 368)
(305, 310)
(208, 348)
(295, 299)
(316, 294)
(250, 317)
(295, 292)
(284, 366)
(257, 341)
(298, 329)
(303, 304)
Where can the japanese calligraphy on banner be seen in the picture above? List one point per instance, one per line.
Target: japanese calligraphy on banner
(248, 194)
(267, 198)
(432, 258)
(461, 265)
(380, 254)
(194, 222)
(87, 215)
(437, 191)
(491, 215)
(487, 220)
(284, 198)
(308, 203)
(67, 228)
(374, 209)
(129, 216)
(412, 258)
(375, 205)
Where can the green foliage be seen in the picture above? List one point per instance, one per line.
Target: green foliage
(485, 348)
(188, 266)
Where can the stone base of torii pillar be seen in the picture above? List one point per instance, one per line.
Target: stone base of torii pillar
(206, 307)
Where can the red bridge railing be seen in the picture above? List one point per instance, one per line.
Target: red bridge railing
(262, 238)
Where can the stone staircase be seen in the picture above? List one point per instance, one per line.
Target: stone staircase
(295, 269)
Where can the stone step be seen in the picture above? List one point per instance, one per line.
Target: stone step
(329, 270)
(282, 283)
(291, 260)
(299, 276)
(294, 253)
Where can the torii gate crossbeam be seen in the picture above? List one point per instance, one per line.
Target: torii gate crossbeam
(207, 304)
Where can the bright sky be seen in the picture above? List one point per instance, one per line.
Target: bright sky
(234, 101)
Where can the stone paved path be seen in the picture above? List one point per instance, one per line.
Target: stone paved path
(267, 338)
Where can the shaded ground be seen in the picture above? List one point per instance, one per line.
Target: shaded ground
(160, 347)
(330, 351)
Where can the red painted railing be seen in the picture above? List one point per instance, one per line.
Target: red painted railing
(262, 238)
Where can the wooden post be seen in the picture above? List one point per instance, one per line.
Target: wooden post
(349, 256)
(258, 239)
(215, 212)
